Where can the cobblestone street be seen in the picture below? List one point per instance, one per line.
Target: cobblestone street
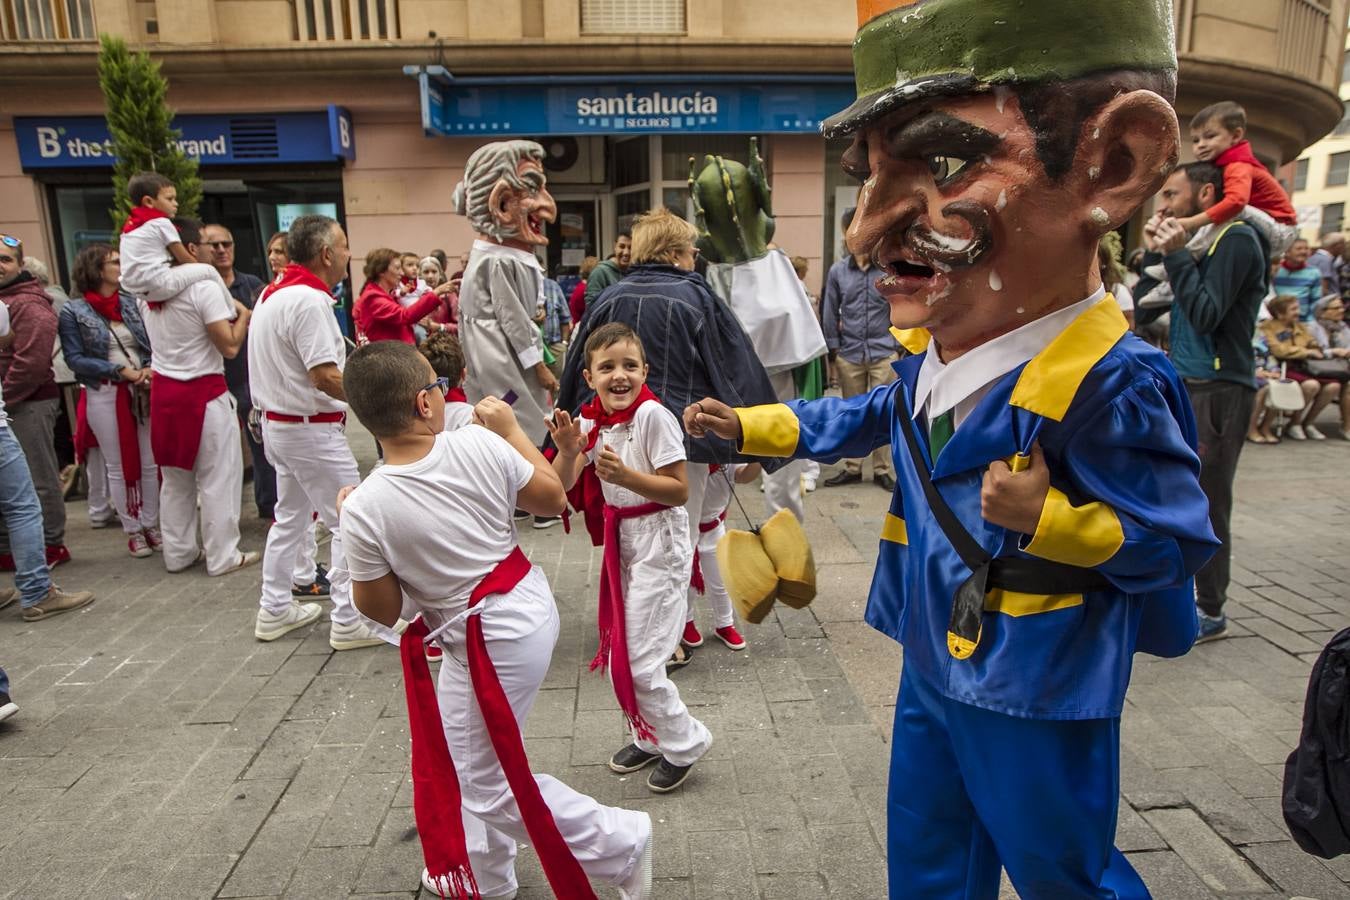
(162, 752)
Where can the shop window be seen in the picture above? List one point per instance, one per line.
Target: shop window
(632, 162)
(677, 148)
(1332, 214)
(628, 205)
(1301, 175)
(632, 16)
(1338, 169)
(841, 193)
(82, 218)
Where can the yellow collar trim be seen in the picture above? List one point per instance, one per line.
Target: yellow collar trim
(1050, 381)
(915, 340)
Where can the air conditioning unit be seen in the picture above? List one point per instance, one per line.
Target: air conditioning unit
(574, 160)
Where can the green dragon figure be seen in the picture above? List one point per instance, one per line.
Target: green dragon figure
(733, 208)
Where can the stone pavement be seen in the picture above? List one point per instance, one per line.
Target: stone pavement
(162, 752)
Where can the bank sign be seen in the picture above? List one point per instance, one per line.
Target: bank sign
(79, 142)
(467, 107)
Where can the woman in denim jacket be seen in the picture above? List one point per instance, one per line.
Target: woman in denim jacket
(105, 345)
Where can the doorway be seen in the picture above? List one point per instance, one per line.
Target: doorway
(574, 235)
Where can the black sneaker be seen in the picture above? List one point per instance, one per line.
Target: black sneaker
(631, 758)
(668, 777)
(317, 588)
(542, 522)
(521, 515)
(7, 707)
(885, 482)
(844, 477)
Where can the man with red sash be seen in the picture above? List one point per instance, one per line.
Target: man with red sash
(193, 430)
(296, 355)
(431, 531)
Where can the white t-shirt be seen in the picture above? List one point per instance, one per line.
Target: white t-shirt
(440, 524)
(651, 439)
(1124, 298)
(291, 332)
(457, 415)
(717, 493)
(177, 331)
(145, 254)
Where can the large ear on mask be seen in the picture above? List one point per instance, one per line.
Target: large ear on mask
(1125, 152)
(498, 202)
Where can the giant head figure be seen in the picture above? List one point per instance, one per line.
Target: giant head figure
(504, 194)
(732, 207)
(996, 141)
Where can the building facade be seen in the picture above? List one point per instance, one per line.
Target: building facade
(368, 108)
(1320, 179)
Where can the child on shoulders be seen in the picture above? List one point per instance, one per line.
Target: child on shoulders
(637, 448)
(150, 245)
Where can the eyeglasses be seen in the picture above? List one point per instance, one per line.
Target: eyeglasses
(10, 241)
(442, 383)
(220, 245)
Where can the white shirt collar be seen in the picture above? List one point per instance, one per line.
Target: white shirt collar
(489, 248)
(961, 384)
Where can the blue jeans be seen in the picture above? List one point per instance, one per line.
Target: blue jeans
(23, 520)
(4, 683)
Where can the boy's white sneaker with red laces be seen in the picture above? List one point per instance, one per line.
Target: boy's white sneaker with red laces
(731, 637)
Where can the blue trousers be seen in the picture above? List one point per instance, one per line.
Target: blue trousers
(973, 790)
(22, 517)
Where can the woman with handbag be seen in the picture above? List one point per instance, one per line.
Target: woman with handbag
(1292, 342)
(105, 345)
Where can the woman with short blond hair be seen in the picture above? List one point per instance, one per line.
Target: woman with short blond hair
(661, 237)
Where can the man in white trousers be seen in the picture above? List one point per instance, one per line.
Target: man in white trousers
(193, 429)
(296, 355)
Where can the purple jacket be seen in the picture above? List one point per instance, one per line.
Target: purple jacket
(26, 365)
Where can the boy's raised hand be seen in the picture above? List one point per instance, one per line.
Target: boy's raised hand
(496, 416)
(709, 415)
(609, 467)
(566, 433)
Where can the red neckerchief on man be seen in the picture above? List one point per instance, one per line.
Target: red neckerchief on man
(613, 652)
(128, 441)
(139, 216)
(437, 803)
(292, 275)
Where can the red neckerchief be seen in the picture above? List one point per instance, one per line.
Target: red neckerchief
(292, 275)
(437, 804)
(1291, 267)
(613, 652)
(1239, 152)
(139, 216)
(456, 395)
(109, 307)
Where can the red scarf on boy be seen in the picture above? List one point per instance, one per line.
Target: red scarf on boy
(128, 440)
(613, 652)
(139, 216)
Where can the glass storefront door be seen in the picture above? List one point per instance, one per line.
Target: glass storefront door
(574, 235)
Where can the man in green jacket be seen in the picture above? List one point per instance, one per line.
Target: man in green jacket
(611, 271)
(1213, 319)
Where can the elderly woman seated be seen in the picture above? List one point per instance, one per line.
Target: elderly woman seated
(1294, 344)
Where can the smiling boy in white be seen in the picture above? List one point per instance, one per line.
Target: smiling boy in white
(637, 448)
(423, 533)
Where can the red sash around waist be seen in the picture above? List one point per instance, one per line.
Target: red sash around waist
(436, 799)
(177, 410)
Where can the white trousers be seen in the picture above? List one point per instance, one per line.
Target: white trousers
(783, 489)
(217, 479)
(521, 630)
(655, 557)
(96, 471)
(313, 462)
(714, 588)
(101, 409)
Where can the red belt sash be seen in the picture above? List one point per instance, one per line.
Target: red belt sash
(613, 651)
(436, 799)
(315, 419)
(696, 574)
(177, 411)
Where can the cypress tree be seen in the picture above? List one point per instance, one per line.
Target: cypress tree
(139, 123)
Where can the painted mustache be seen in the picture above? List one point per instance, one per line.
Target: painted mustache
(945, 252)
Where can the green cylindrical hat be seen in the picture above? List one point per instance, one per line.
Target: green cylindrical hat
(909, 50)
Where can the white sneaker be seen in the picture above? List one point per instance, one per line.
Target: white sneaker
(443, 889)
(638, 885)
(808, 485)
(1295, 433)
(138, 546)
(353, 636)
(270, 626)
(1314, 433)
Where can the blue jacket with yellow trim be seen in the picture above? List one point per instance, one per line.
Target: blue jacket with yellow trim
(1118, 434)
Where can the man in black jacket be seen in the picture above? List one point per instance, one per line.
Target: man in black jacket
(1217, 297)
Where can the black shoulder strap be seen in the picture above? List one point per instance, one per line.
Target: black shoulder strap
(966, 547)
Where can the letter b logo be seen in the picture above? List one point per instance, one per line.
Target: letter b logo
(49, 146)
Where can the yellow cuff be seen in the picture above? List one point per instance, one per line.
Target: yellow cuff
(1083, 536)
(769, 430)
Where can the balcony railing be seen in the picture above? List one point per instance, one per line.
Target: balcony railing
(1302, 37)
(346, 20)
(47, 20)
